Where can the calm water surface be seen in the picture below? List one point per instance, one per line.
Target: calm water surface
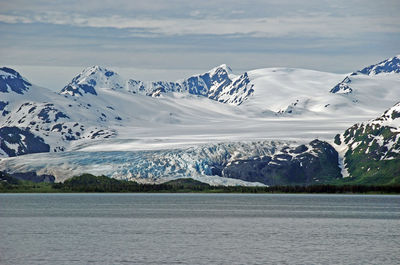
(199, 229)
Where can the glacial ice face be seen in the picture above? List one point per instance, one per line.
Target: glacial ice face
(198, 162)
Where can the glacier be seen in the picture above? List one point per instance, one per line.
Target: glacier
(150, 166)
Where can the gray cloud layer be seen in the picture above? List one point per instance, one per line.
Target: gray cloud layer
(172, 35)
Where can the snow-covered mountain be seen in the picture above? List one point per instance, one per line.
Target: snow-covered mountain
(279, 90)
(95, 105)
(265, 103)
(218, 84)
(391, 65)
(100, 110)
(36, 119)
(12, 81)
(92, 78)
(388, 66)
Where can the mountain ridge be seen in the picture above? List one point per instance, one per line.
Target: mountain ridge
(388, 66)
(216, 84)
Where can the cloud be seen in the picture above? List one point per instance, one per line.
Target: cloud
(327, 35)
(12, 19)
(319, 25)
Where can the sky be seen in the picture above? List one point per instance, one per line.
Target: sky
(50, 41)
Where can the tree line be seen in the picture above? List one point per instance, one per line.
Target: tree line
(91, 183)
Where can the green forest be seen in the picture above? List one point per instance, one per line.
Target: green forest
(91, 183)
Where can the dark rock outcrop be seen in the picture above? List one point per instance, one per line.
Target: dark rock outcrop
(302, 165)
(16, 141)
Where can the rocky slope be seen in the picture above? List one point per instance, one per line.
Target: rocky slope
(371, 150)
(316, 162)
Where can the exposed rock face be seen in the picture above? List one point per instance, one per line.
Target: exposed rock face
(12, 81)
(15, 141)
(303, 165)
(32, 176)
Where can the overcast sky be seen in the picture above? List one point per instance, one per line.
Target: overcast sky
(49, 41)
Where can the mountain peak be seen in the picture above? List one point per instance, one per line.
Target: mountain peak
(388, 66)
(92, 78)
(11, 79)
(96, 69)
(391, 65)
(10, 72)
(225, 67)
(222, 67)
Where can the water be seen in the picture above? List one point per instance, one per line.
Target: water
(198, 229)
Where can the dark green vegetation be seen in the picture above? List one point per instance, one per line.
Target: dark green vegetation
(369, 160)
(90, 183)
(12, 184)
